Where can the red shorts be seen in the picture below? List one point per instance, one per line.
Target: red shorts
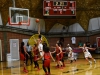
(57, 58)
(22, 57)
(46, 63)
(61, 56)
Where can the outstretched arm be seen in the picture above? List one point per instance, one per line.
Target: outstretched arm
(26, 51)
(54, 50)
(92, 48)
(52, 57)
(39, 29)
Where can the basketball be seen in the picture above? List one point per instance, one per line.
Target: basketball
(37, 20)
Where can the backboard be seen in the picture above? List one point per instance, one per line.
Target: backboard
(18, 16)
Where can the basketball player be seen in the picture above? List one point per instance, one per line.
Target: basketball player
(23, 55)
(59, 54)
(39, 42)
(36, 55)
(40, 46)
(87, 54)
(70, 54)
(46, 62)
(29, 50)
(61, 60)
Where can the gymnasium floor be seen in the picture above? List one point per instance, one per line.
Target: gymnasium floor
(81, 67)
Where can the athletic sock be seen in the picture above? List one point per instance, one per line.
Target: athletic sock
(94, 61)
(63, 64)
(71, 61)
(90, 62)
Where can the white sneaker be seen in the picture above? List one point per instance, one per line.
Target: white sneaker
(90, 62)
(95, 61)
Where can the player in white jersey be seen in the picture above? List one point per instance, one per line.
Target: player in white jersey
(40, 46)
(87, 54)
(70, 54)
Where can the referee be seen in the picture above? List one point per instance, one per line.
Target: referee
(28, 49)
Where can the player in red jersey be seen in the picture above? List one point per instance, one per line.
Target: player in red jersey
(23, 53)
(46, 62)
(59, 55)
(36, 55)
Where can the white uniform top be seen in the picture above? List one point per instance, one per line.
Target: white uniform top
(70, 54)
(40, 47)
(86, 52)
(69, 48)
(86, 49)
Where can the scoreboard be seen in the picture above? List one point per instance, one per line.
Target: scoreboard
(59, 9)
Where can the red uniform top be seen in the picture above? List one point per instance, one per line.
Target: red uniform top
(57, 56)
(57, 50)
(47, 56)
(60, 56)
(36, 52)
(47, 59)
(22, 54)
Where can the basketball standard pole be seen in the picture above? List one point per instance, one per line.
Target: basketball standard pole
(13, 3)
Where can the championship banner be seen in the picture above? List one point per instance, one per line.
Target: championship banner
(98, 41)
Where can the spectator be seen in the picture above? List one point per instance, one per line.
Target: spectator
(29, 49)
(80, 44)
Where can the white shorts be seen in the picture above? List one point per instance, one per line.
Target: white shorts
(87, 54)
(70, 57)
(41, 54)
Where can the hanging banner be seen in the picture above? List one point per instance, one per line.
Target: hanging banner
(98, 41)
(73, 40)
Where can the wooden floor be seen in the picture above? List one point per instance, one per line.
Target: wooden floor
(81, 67)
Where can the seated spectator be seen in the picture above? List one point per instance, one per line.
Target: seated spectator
(94, 45)
(80, 44)
(88, 44)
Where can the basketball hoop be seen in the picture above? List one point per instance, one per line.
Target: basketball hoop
(27, 23)
(16, 18)
(24, 23)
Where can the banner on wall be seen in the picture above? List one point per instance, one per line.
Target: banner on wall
(73, 40)
(98, 41)
(14, 49)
